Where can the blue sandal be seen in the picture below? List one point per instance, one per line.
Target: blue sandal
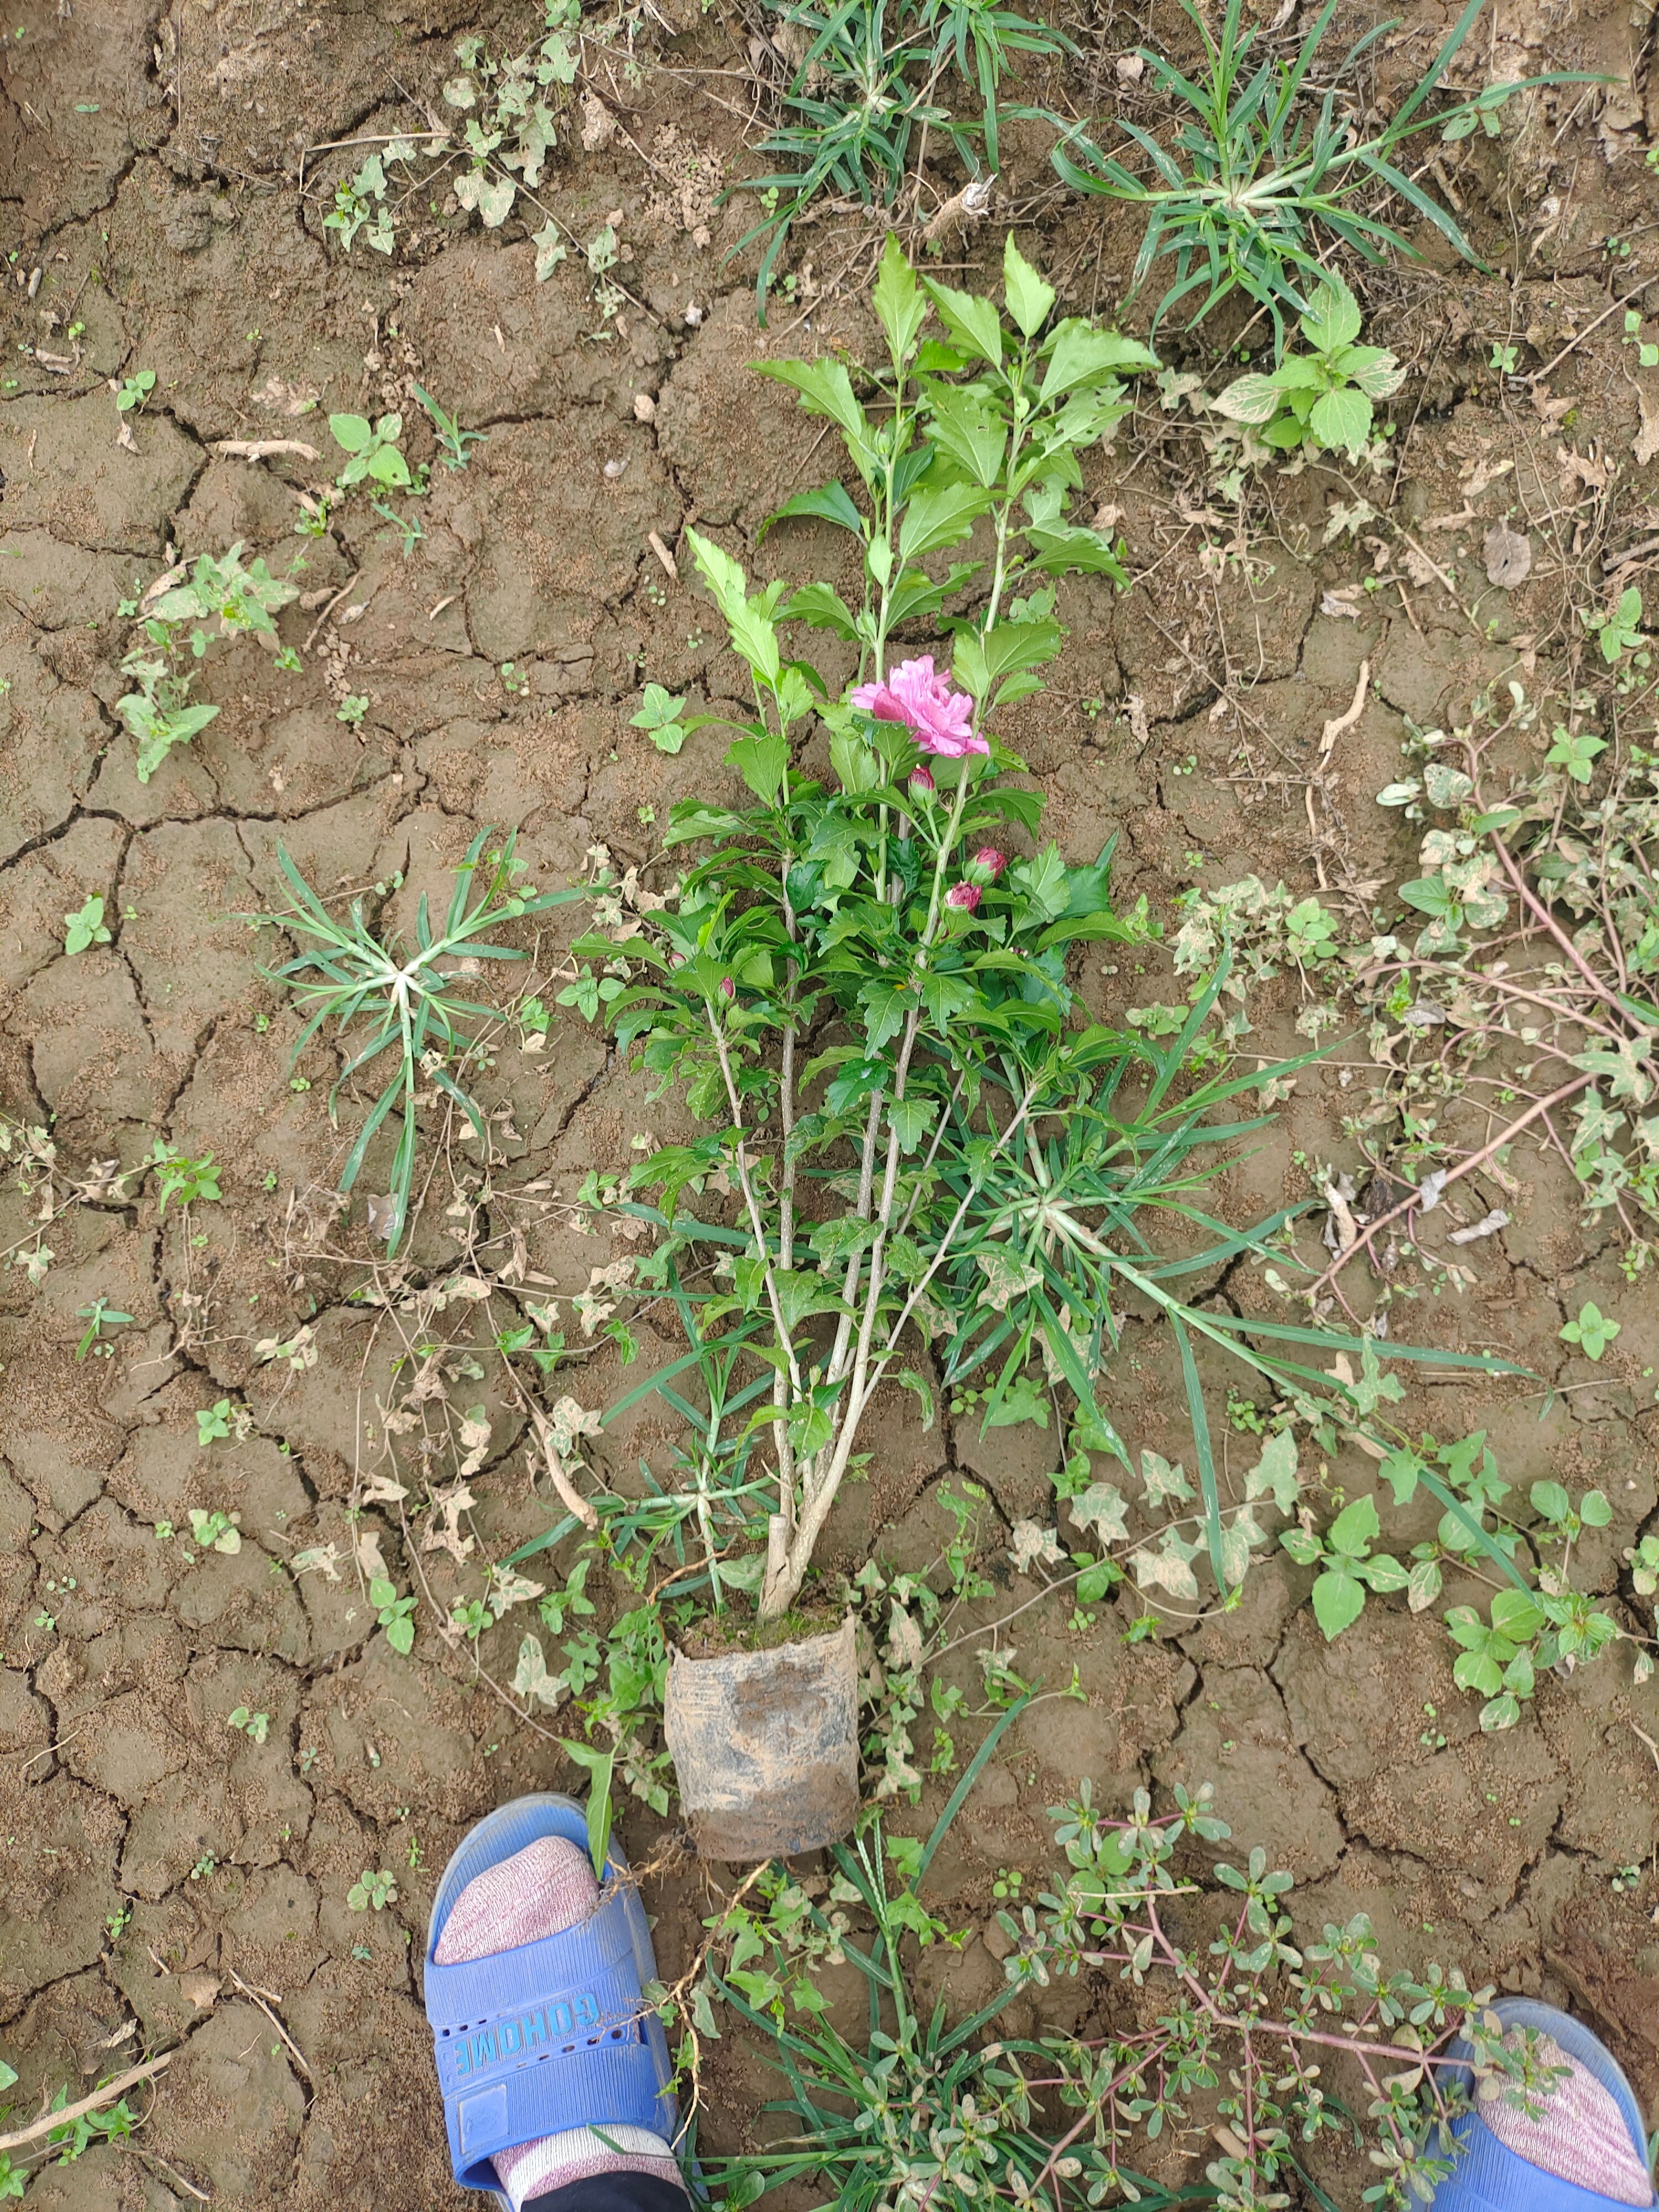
(553, 2034)
(1489, 2177)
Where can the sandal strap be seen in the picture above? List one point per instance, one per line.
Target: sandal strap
(549, 2035)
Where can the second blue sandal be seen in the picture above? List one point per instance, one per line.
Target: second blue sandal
(553, 2034)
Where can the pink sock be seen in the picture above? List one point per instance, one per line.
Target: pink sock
(547, 1886)
(1581, 2135)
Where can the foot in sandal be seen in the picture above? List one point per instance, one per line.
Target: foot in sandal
(554, 2069)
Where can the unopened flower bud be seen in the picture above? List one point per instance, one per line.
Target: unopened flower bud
(965, 895)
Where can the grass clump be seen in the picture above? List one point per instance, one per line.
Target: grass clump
(405, 997)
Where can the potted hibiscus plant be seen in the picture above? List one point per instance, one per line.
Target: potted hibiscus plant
(939, 1169)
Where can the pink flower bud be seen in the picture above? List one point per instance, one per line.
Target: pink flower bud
(920, 781)
(991, 861)
(965, 895)
(728, 987)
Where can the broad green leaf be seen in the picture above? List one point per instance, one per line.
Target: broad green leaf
(968, 433)
(1339, 1599)
(900, 308)
(830, 502)
(1248, 400)
(973, 322)
(1275, 1472)
(938, 515)
(1079, 354)
(1031, 298)
(1341, 419)
(1353, 1528)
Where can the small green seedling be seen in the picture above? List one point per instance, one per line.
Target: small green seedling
(588, 993)
(1504, 359)
(452, 438)
(660, 715)
(178, 1177)
(223, 1420)
(216, 1532)
(135, 390)
(351, 709)
(1349, 1568)
(1647, 355)
(98, 1316)
(254, 1726)
(1593, 1331)
(394, 1615)
(1619, 632)
(1576, 751)
(373, 447)
(85, 927)
(1319, 401)
(373, 1890)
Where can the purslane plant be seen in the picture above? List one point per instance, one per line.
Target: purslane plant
(978, 1162)
(1228, 2021)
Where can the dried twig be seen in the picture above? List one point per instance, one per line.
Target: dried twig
(1504, 1136)
(256, 1997)
(259, 449)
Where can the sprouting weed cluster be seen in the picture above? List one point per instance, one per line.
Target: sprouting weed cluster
(1279, 2045)
(221, 599)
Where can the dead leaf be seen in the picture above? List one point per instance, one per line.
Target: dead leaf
(383, 1217)
(451, 1504)
(1509, 556)
(1130, 68)
(599, 124)
(1582, 467)
(369, 1556)
(1646, 447)
(381, 1490)
(1488, 1225)
(474, 1441)
(1548, 409)
(1339, 608)
(282, 399)
(1031, 1543)
(201, 1989)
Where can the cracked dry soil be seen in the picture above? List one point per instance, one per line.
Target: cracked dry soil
(155, 1864)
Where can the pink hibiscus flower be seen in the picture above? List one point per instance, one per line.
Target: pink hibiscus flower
(940, 721)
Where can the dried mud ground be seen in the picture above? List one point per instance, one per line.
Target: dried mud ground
(154, 1864)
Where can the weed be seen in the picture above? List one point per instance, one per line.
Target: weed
(351, 710)
(851, 116)
(1322, 399)
(216, 1532)
(1249, 182)
(85, 927)
(255, 1726)
(223, 1420)
(408, 1004)
(1620, 631)
(241, 600)
(1348, 1566)
(393, 1613)
(660, 715)
(372, 452)
(456, 443)
(514, 682)
(1591, 1333)
(98, 1316)
(178, 1178)
(373, 1892)
(1249, 2002)
(133, 391)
